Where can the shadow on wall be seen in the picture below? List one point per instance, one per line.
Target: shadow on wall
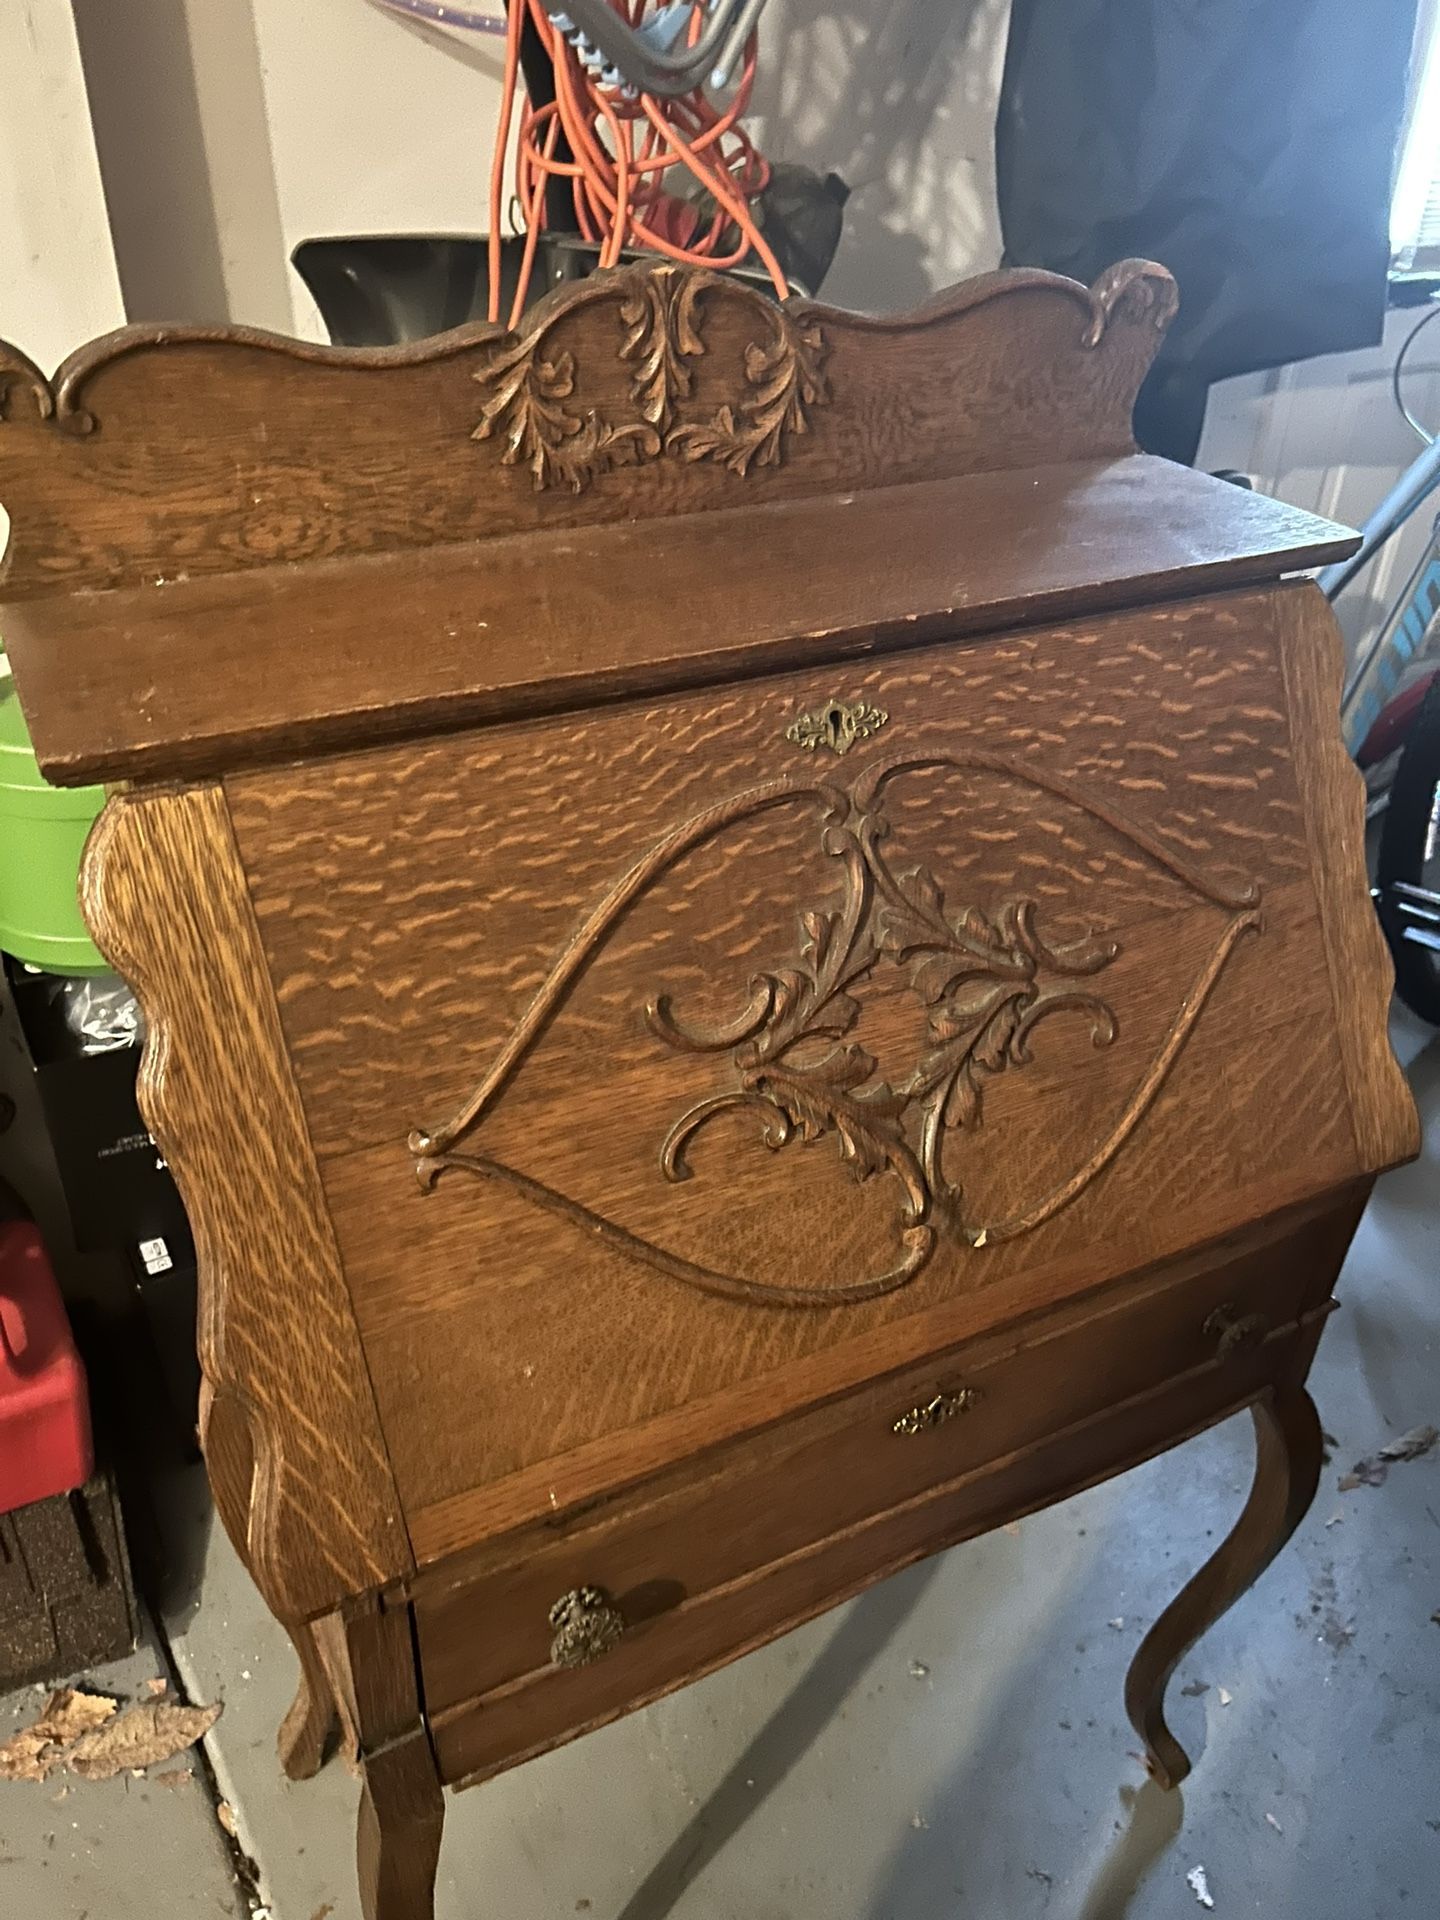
(191, 195)
(898, 97)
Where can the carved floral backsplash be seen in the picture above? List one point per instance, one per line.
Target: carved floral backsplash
(535, 400)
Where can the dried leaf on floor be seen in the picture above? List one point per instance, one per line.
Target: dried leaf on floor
(1371, 1472)
(141, 1737)
(1198, 1884)
(176, 1778)
(69, 1713)
(225, 1814)
(157, 1687)
(28, 1755)
(35, 1751)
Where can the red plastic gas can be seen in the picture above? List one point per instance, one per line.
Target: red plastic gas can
(45, 1443)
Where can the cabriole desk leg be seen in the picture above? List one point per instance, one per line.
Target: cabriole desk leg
(1287, 1472)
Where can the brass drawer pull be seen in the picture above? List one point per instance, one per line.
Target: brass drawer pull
(587, 1623)
(1232, 1332)
(936, 1411)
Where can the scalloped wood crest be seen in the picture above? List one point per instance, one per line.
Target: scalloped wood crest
(164, 450)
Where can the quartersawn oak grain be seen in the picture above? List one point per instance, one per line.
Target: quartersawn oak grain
(403, 972)
(548, 875)
(1171, 721)
(292, 1437)
(1387, 1125)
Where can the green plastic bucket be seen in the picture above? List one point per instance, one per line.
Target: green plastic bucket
(42, 834)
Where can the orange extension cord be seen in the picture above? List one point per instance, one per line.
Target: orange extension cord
(623, 149)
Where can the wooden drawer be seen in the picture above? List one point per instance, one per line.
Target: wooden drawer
(481, 1737)
(483, 1620)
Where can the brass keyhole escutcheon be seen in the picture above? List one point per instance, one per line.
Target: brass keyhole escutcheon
(586, 1624)
(939, 1408)
(836, 726)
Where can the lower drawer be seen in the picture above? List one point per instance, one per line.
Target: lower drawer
(484, 1620)
(478, 1738)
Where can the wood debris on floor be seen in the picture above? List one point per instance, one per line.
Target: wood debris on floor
(89, 1735)
(1371, 1472)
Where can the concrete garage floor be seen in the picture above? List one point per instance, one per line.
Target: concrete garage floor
(122, 1849)
(949, 1747)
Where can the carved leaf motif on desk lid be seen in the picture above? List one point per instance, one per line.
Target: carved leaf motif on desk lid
(987, 978)
(531, 393)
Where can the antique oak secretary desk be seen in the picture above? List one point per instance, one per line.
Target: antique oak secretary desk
(756, 954)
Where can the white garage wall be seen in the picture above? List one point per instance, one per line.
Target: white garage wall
(231, 130)
(377, 124)
(180, 123)
(58, 284)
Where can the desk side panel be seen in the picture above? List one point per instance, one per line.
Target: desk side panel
(291, 1430)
